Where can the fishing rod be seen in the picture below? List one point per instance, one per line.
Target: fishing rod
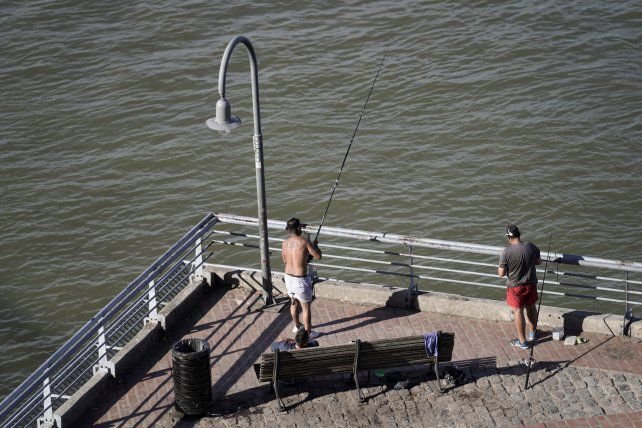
(539, 305)
(363, 110)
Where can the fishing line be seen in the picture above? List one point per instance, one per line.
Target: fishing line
(363, 110)
(539, 305)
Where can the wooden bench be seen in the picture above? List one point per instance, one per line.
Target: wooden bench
(351, 358)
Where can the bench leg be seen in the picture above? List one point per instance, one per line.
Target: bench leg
(279, 402)
(355, 371)
(437, 374)
(361, 397)
(275, 381)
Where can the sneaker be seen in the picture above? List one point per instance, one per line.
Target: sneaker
(533, 335)
(314, 334)
(296, 328)
(517, 343)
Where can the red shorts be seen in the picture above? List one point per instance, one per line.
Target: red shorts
(521, 295)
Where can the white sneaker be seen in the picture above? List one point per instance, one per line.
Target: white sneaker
(314, 334)
(296, 328)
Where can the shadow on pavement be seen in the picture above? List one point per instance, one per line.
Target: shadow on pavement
(295, 392)
(143, 371)
(398, 305)
(555, 367)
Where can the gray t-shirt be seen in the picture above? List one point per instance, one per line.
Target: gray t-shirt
(519, 262)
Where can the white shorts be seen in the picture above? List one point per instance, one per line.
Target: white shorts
(299, 287)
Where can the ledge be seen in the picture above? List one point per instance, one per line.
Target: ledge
(440, 303)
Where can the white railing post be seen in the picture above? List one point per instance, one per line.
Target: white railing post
(152, 306)
(104, 365)
(197, 264)
(47, 417)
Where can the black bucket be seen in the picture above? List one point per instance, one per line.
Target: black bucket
(192, 377)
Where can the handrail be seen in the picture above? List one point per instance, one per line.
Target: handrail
(415, 266)
(36, 379)
(569, 259)
(450, 274)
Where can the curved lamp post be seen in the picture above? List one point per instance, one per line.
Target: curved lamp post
(225, 122)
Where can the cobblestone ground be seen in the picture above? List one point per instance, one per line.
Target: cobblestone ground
(490, 397)
(598, 383)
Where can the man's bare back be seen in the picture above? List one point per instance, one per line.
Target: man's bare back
(296, 250)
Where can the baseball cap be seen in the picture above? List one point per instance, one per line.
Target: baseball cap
(293, 224)
(512, 231)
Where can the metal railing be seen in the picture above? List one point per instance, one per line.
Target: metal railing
(92, 348)
(572, 281)
(352, 255)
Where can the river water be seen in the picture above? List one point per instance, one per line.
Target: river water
(484, 113)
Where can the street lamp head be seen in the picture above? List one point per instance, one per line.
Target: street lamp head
(224, 121)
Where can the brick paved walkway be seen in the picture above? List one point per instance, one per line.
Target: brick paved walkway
(570, 385)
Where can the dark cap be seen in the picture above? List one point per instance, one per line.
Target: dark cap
(512, 231)
(293, 224)
(302, 337)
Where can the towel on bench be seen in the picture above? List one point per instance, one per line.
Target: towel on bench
(431, 343)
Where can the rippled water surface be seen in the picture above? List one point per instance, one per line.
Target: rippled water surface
(483, 114)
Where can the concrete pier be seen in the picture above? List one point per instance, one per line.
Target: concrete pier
(598, 383)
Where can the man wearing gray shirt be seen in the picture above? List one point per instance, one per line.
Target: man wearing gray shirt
(517, 262)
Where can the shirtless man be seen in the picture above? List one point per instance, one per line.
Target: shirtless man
(295, 254)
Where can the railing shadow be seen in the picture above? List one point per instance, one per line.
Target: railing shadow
(237, 331)
(245, 360)
(234, 327)
(393, 309)
(122, 385)
(397, 305)
(238, 327)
